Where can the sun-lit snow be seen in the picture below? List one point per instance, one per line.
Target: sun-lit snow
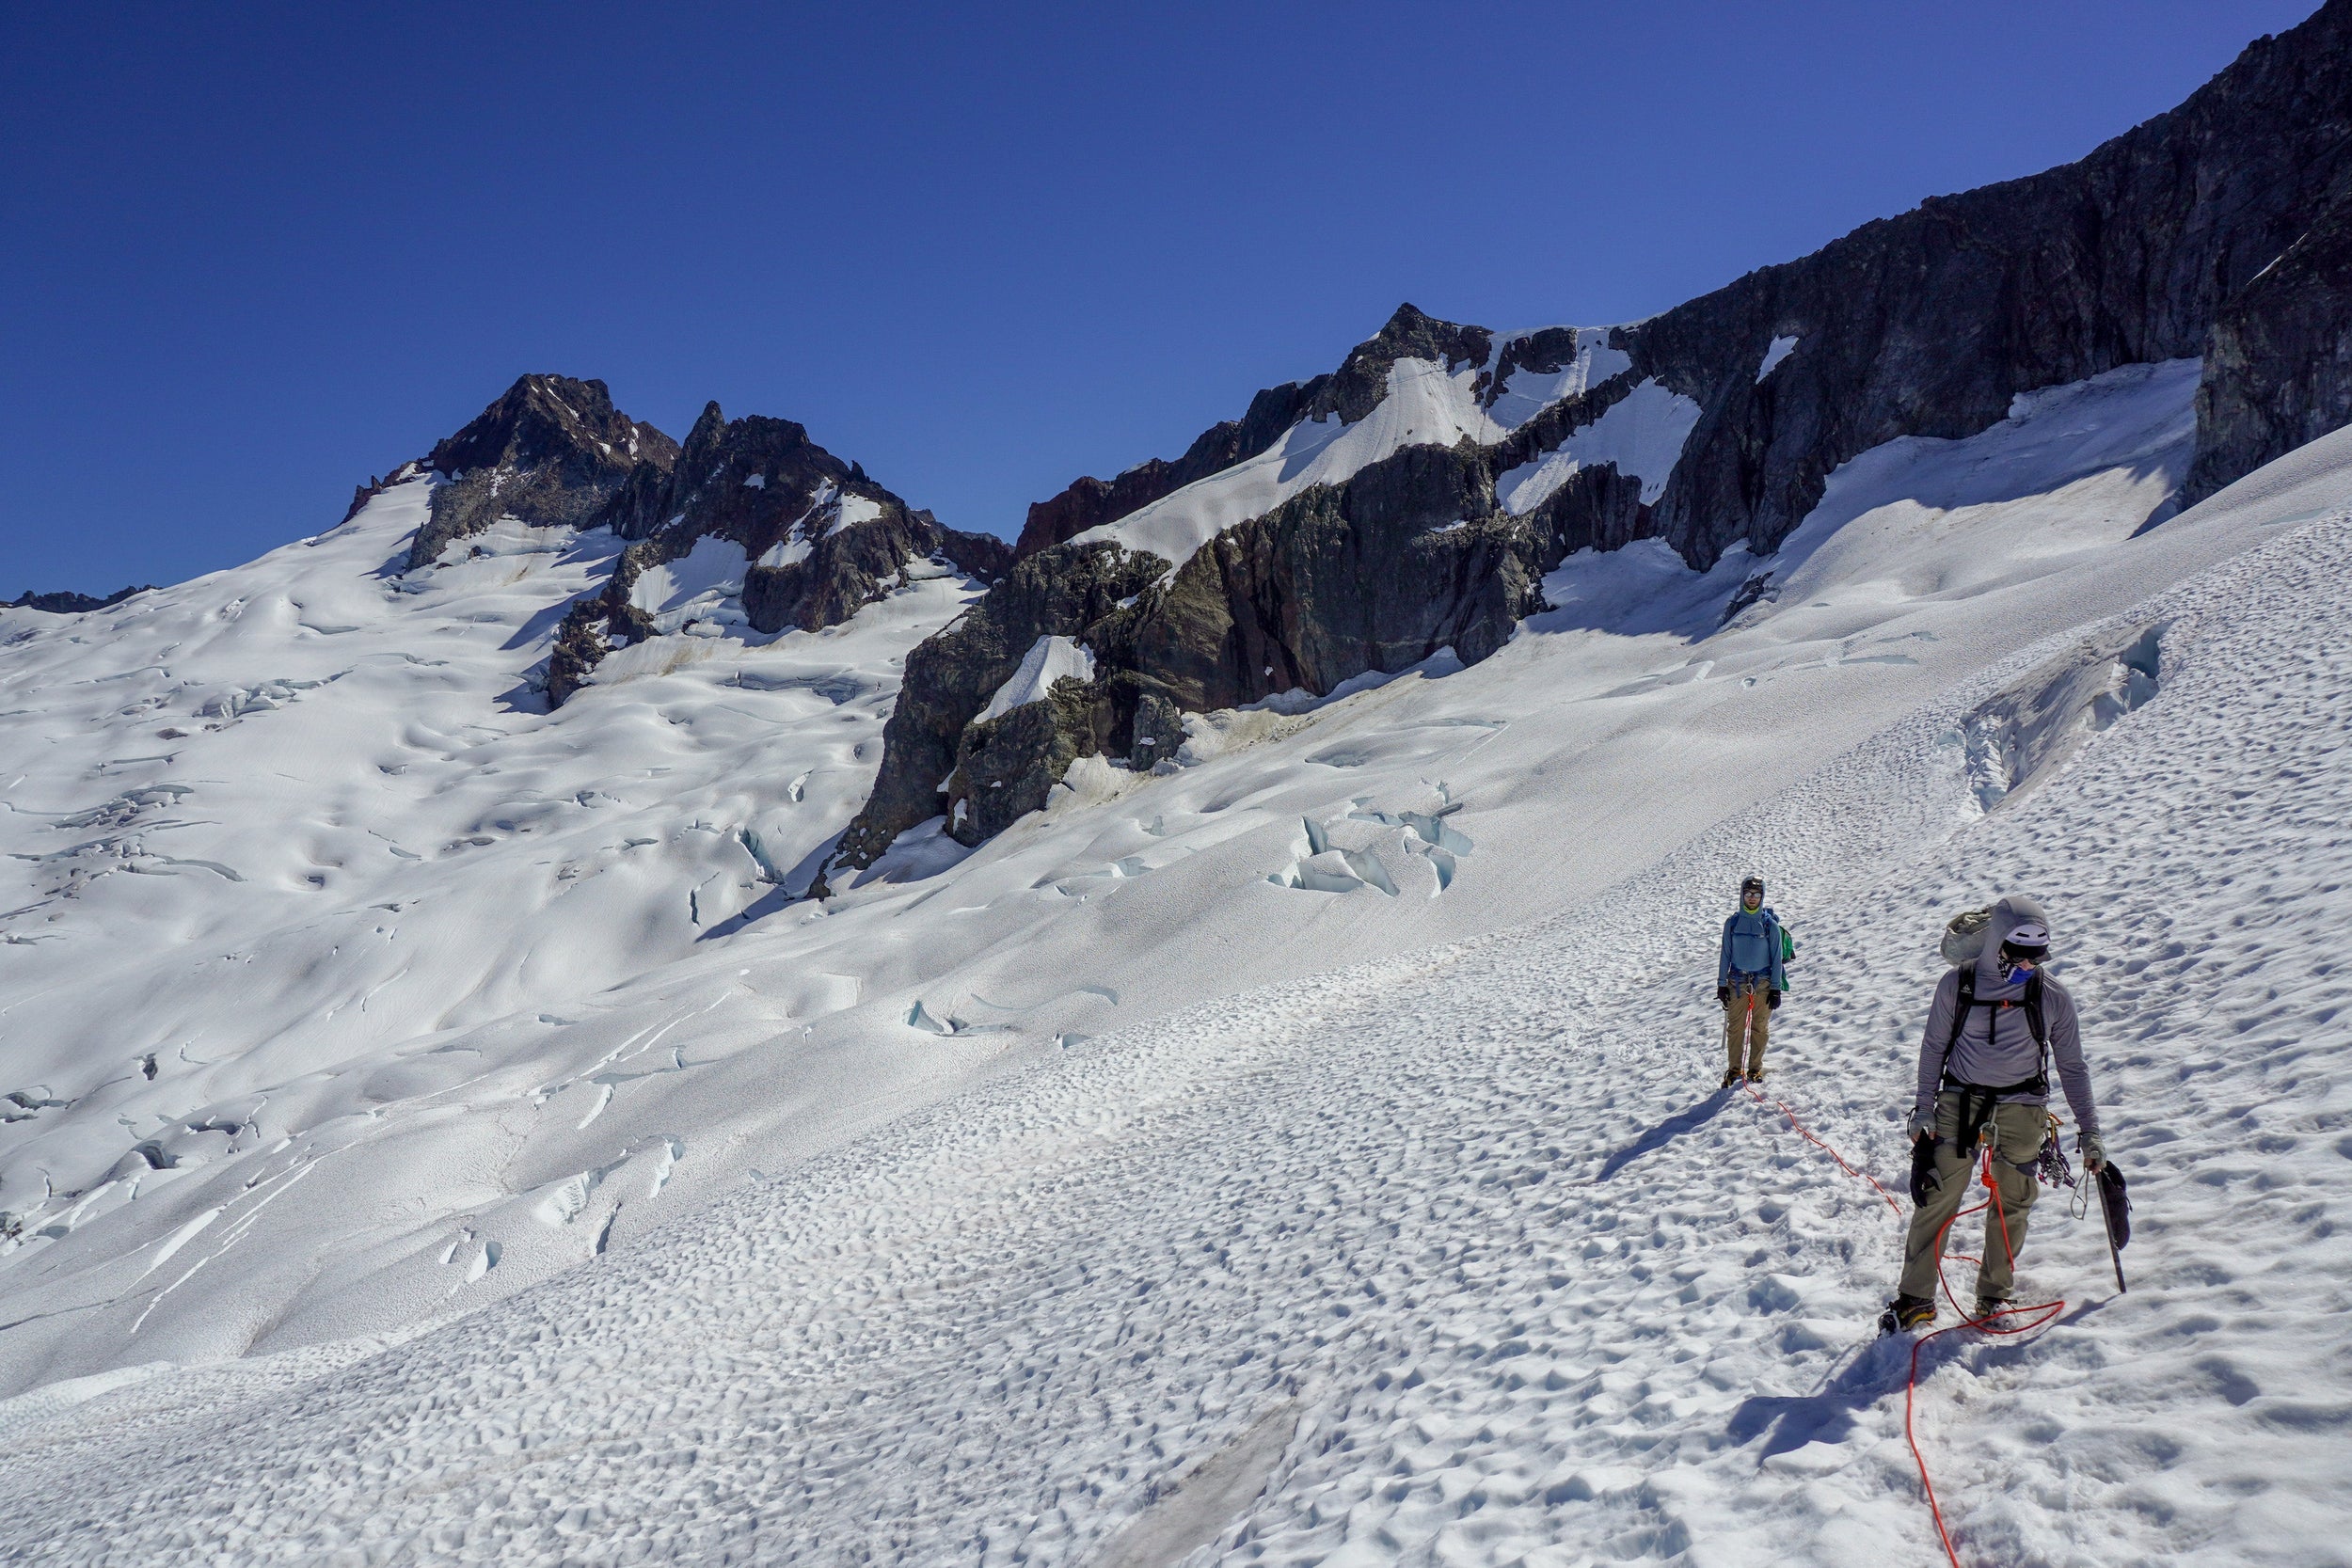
(1307, 1154)
(1526, 393)
(2064, 472)
(1781, 348)
(850, 511)
(1424, 407)
(1642, 433)
(705, 584)
(1049, 659)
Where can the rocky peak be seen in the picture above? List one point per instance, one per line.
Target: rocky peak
(544, 418)
(550, 451)
(749, 479)
(1362, 379)
(818, 539)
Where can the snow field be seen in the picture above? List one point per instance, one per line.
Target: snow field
(565, 1035)
(1458, 1257)
(292, 831)
(1429, 1259)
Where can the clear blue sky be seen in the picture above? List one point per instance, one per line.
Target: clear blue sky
(252, 254)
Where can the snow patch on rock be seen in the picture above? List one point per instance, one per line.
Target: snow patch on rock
(1642, 435)
(1049, 659)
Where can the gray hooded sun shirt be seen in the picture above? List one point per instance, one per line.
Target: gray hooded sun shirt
(1997, 1044)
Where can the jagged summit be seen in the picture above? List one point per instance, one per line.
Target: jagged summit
(550, 449)
(783, 534)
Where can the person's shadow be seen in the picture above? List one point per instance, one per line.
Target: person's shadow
(1665, 1133)
(1827, 1415)
(1876, 1371)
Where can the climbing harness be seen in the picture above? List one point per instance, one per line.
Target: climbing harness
(2010, 1322)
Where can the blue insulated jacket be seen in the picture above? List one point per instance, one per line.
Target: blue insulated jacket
(1751, 946)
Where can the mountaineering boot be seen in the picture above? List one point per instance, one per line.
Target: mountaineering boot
(1991, 1306)
(1907, 1312)
(1730, 1078)
(1755, 1075)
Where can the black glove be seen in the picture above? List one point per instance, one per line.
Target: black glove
(1771, 1001)
(1722, 994)
(1923, 1181)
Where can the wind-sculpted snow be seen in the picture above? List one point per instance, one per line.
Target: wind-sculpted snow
(1456, 1256)
(1130, 1191)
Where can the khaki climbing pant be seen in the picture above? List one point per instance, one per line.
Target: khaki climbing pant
(2015, 1133)
(1747, 1016)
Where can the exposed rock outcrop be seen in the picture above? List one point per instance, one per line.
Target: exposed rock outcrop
(551, 450)
(1352, 391)
(1090, 592)
(818, 540)
(1361, 381)
(1930, 323)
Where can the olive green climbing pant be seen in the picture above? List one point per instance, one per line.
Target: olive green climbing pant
(2015, 1133)
(1748, 1015)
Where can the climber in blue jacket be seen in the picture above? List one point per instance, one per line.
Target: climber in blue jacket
(1749, 980)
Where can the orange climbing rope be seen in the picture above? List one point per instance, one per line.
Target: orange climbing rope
(2022, 1320)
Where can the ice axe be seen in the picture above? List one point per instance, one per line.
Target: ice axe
(2115, 1207)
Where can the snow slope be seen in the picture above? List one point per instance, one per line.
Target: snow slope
(1449, 1254)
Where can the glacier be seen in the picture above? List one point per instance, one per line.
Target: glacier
(437, 1129)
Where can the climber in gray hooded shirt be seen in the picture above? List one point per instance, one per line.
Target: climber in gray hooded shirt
(1994, 1060)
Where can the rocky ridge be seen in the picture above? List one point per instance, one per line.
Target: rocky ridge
(818, 539)
(67, 602)
(806, 540)
(2218, 230)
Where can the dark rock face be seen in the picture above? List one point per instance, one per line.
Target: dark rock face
(66, 602)
(2278, 372)
(1407, 557)
(820, 539)
(1929, 324)
(551, 450)
(1159, 732)
(1359, 384)
(1007, 766)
